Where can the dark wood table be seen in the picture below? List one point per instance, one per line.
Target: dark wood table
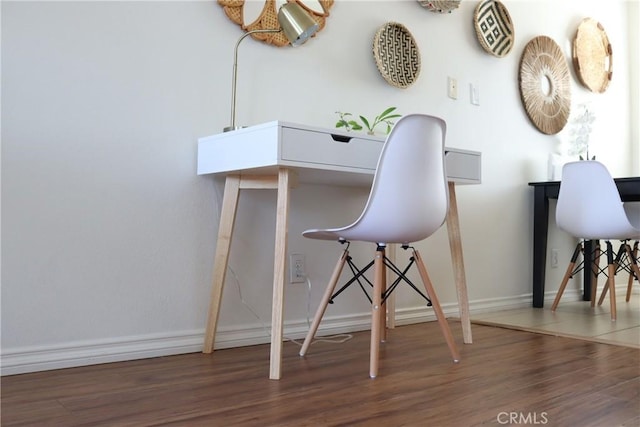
(629, 189)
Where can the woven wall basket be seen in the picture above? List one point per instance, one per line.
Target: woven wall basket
(396, 54)
(494, 28)
(268, 19)
(440, 6)
(592, 56)
(543, 63)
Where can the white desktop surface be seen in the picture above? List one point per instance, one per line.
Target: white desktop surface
(352, 157)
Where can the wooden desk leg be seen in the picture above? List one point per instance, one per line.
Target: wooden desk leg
(279, 270)
(221, 259)
(455, 243)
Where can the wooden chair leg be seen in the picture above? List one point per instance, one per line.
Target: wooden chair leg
(376, 317)
(605, 289)
(609, 254)
(604, 292)
(390, 303)
(383, 312)
(567, 276)
(324, 302)
(633, 261)
(442, 321)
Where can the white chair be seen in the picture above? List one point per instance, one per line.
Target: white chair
(408, 202)
(589, 207)
(627, 257)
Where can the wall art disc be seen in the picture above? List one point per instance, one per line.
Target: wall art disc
(592, 56)
(267, 18)
(545, 85)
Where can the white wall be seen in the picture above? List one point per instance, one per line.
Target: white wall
(108, 235)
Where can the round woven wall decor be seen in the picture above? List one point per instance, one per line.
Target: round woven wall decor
(592, 56)
(494, 29)
(268, 18)
(440, 6)
(545, 85)
(396, 54)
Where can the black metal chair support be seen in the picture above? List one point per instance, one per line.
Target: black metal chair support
(580, 266)
(359, 274)
(623, 261)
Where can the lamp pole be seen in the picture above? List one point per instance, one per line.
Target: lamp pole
(235, 75)
(297, 26)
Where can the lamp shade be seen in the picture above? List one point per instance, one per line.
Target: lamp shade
(296, 24)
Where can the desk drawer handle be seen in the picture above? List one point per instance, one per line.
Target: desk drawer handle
(341, 138)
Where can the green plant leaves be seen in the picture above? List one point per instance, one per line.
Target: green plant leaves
(366, 122)
(385, 117)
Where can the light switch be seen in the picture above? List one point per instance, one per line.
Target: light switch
(474, 93)
(452, 87)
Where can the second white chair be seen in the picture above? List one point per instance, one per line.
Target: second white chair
(627, 258)
(589, 208)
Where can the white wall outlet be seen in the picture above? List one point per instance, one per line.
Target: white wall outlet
(452, 87)
(297, 272)
(554, 258)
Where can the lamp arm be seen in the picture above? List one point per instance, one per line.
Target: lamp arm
(235, 74)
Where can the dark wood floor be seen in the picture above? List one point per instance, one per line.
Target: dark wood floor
(505, 377)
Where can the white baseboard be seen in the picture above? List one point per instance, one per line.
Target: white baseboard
(42, 358)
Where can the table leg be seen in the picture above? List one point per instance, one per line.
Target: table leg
(589, 272)
(540, 229)
(455, 243)
(221, 259)
(279, 273)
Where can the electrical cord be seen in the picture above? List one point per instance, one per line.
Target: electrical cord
(337, 338)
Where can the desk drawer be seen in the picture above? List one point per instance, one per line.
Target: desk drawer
(324, 148)
(463, 165)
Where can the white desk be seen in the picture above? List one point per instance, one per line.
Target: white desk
(275, 155)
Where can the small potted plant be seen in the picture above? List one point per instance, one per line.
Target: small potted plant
(386, 117)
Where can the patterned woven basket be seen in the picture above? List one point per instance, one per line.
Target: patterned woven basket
(494, 28)
(440, 6)
(396, 54)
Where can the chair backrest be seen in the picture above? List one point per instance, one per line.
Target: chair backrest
(589, 205)
(409, 198)
(633, 213)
